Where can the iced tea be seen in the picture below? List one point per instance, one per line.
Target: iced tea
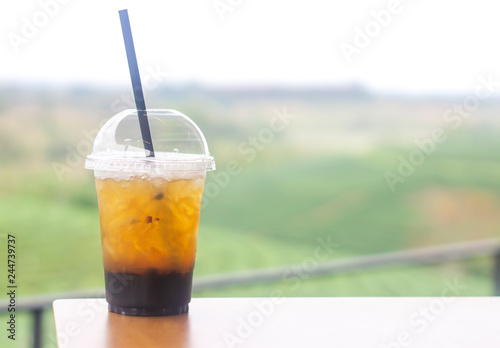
(149, 228)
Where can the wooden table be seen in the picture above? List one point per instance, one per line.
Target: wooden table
(288, 322)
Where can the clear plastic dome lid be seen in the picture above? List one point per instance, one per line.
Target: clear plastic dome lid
(178, 143)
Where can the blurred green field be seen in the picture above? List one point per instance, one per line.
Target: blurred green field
(270, 214)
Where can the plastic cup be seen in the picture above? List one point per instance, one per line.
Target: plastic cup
(149, 209)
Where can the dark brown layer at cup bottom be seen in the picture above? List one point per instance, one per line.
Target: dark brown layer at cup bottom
(149, 294)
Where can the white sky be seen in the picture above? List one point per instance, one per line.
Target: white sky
(429, 46)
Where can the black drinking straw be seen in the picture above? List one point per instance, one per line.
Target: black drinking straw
(140, 104)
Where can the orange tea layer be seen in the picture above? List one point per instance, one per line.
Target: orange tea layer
(149, 223)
